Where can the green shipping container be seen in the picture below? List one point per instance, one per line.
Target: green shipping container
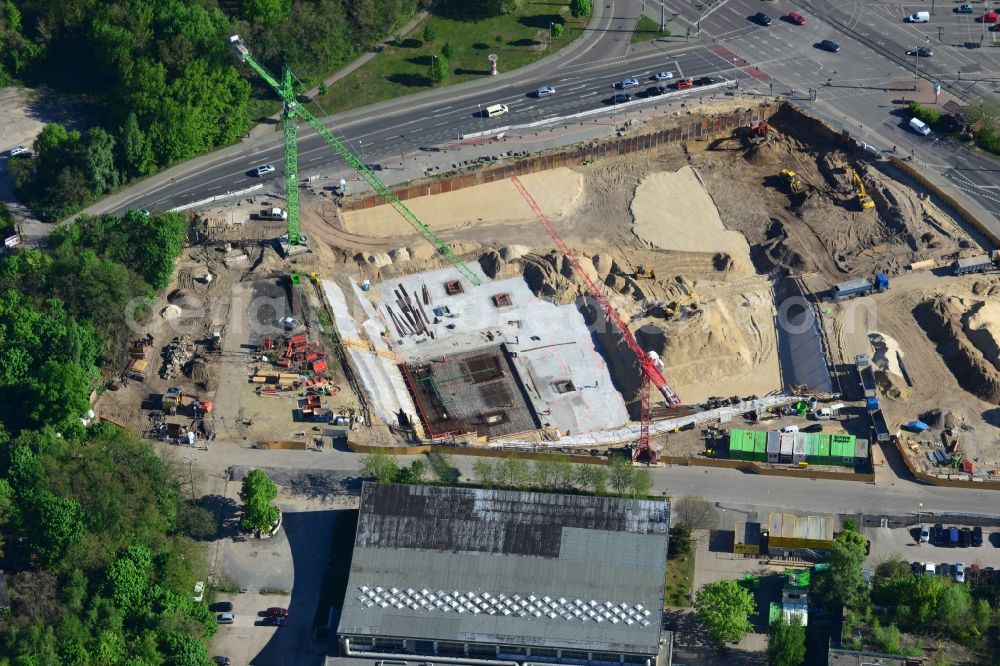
(735, 443)
(746, 450)
(760, 446)
(823, 450)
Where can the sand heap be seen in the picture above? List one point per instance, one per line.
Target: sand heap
(965, 330)
(888, 361)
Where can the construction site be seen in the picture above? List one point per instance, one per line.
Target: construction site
(597, 298)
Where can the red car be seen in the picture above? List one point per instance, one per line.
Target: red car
(276, 611)
(796, 18)
(988, 17)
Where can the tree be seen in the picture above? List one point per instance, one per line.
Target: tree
(136, 152)
(786, 645)
(443, 468)
(266, 13)
(448, 51)
(593, 478)
(620, 474)
(984, 112)
(642, 482)
(924, 113)
(580, 8)
(680, 541)
(257, 493)
(842, 582)
(381, 465)
(483, 473)
(323, 89)
(512, 472)
(128, 578)
(59, 527)
(557, 30)
(412, 474)
(887, 638)
(439, 69)
(430, 34)
(695, 512)
(725, 608)
(195, 521)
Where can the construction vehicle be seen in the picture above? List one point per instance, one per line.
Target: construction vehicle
(641, 273)
(759, 131)
(978, 264)
(864, 200)
(860, 287)
(172, 399)
(293, 109)
(273, 214)
(216, 339)
(649, 364)
(792, 181)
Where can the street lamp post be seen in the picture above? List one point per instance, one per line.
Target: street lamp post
(920, 508)
(482, 129)
(548, 49)
(916, 59)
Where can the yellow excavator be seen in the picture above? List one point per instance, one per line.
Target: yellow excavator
(864, 200)
(793, 181)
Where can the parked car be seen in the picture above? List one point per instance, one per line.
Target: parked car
(923, 52)
(789, 428)
(663, 76)
(938, 535)
(264, 169)
(964, 9)
(625, 84)
(618, 98)
(988, 17)
(814, 427)
(225, 618)
(796, 18)
(930, 568)
(965, 537)
(827, 45)
(17, 150)
(221, 661)
(944, 569)
(706, 81)
(925, 534)
(545, 91)
(275, 621)
(684, 84)
(959, 572)
(995, 27)
(276, 611)
(977, 536)
(953, 538)
(221, 607)
(655, 91)
(761, 18)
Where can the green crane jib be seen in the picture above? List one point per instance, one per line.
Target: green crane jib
(292, 109)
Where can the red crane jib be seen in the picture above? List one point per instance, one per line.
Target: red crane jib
(645, 363)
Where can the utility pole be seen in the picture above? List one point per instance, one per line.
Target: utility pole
(548, 48)
(482, 130)
(191, 476)
(932, 11)
(916, 59)
(663, 18)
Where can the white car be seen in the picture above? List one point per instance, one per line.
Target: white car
(663, 76)
(545, 91)
(929, 568)
(925, 533)
(625, 84)
(264, 169)
(17, 150)
(959, 572)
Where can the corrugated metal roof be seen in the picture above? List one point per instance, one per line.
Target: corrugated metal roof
(790, 526)
(528, 568)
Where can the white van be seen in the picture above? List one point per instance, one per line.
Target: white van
(919, 126)
(919, 17)
(496, 110)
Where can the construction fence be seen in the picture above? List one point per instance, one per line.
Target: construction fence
(698, 128)
(948, 481)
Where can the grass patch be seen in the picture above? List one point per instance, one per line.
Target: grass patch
(680, 578)
(338, 566)
(518, 39)
(646, 30)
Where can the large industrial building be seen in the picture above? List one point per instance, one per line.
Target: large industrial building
(505, 577)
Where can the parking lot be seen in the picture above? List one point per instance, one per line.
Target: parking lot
(904, 543)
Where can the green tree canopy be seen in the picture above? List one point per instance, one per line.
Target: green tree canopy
(725, 608)
(580, 8)
(59, 527)
(257, 492)
(381, 465)
(786, 644)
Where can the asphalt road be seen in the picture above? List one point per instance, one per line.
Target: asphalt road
(863, 89)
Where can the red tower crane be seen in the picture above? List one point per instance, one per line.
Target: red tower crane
(650, 373)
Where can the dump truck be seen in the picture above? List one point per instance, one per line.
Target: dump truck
(866, 373)
(860, 287)
(978, 264)
(792, 181)
(273, 214)
(880, 426)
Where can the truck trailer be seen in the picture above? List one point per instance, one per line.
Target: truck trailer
(978, 264)
(860, 287)
(866, 373)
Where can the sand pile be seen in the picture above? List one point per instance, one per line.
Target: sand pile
(558, 192)
(674, 211)
(982, 325)
(948, 321)
(889, 370)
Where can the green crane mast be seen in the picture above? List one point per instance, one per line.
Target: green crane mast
(294, 109)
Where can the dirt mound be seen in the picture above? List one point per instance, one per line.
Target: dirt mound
(761, 155)
(943, 318)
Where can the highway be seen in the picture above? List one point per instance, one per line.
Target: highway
(863, 89)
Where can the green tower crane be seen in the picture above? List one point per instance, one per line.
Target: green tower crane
(293, 110)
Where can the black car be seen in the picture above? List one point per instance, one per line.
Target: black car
(917, 568)
(814, 427)
(706, 81)
(827, 45)
(923, 52)
(977, 536)
(618, 98)
(221, 661)
(938, 536)
(221, 607)
(965, 537)
(655, 91)
(762, 18)
(274, 621)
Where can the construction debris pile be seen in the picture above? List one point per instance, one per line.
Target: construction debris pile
(414, 320)
(176, 355)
